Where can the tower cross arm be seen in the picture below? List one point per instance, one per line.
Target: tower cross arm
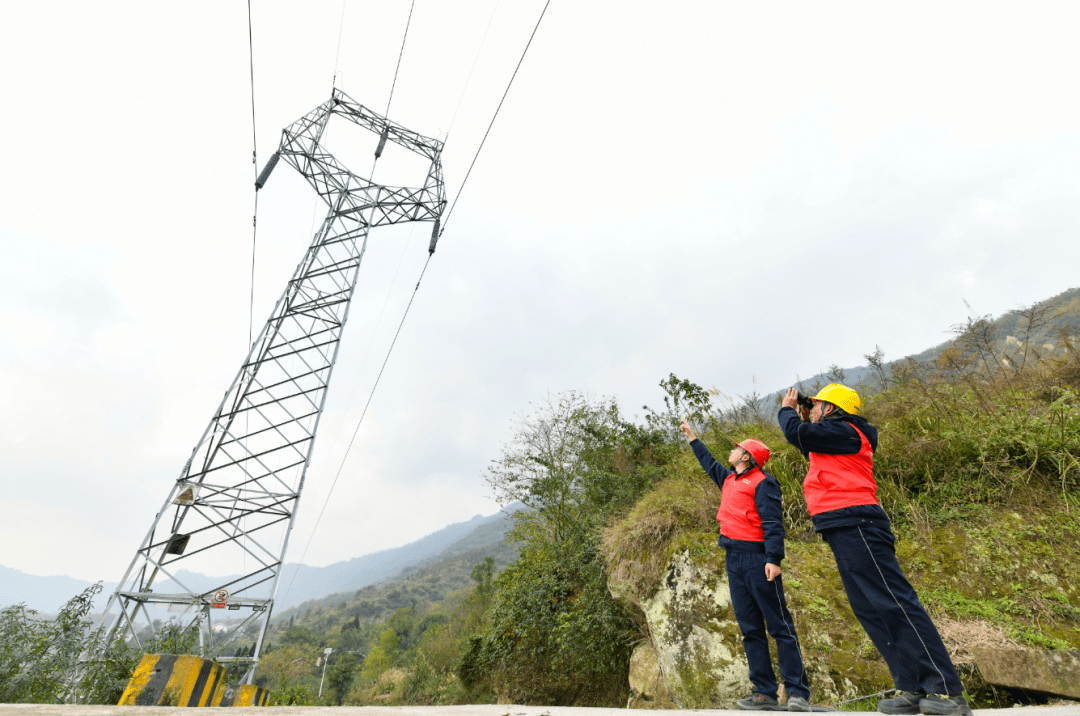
(348, 108)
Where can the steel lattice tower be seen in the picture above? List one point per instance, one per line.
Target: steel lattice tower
(236, 498)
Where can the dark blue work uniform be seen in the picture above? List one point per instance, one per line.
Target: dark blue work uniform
(759, 604)
(863, 544)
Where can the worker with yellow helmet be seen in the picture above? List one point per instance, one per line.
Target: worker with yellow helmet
(841, 495)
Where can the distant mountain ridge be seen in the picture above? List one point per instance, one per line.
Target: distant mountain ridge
(314, 582)
(44, 594)
(1064, 310)
(299, 583)
(419, 585)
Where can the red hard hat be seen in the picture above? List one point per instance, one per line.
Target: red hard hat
(758, 449)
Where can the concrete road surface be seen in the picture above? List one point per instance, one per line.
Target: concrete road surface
(481, 710)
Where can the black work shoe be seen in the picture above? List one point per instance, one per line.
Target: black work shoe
(758, 702)
(944, 705)
(798, 703)
(901, 702)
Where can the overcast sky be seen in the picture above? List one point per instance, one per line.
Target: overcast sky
(739, 193)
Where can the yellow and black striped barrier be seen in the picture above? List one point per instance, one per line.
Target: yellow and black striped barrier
(174, 680)
(247, 695)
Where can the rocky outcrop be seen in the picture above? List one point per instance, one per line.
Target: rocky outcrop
(693, 657)
(695, 636)
(1051, 672)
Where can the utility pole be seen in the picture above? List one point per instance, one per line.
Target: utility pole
(326, 660)
(232, 508)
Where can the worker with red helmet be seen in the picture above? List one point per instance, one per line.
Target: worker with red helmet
(752, 535)
(841, 495)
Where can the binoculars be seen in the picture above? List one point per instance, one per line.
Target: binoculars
(804, 400)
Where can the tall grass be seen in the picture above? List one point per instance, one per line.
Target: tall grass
(978, 425)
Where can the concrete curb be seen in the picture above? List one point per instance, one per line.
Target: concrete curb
(471, 710)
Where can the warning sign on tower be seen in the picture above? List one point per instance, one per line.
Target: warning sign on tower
(221, 598)
(188, 494)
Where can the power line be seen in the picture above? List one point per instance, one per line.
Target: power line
(255, 168)
(468, 79)
(356, 431)
(371, 177)
(371, 395)
(341, 26)
(492, 123)
(393, 84)
(255, 211)
(400, 53)
(358, 423)
(251, 65)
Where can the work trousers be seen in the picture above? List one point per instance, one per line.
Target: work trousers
(760, 607)
(889, 610)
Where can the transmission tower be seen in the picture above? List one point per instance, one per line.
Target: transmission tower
(235, 502)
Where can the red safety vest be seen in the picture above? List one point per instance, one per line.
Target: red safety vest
(738, 515)
(838, 481)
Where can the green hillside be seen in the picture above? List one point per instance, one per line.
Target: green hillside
(1044, 323)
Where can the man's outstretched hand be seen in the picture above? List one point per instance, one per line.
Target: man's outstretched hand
(685, 427)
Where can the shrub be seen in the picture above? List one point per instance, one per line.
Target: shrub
(61, 659)
(554, 634)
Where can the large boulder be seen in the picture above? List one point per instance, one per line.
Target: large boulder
(693, 657)
(1052, 672)
(695, 636)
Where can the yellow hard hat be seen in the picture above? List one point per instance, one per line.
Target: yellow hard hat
(841, 396)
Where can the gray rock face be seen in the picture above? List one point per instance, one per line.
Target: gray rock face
(693, 657)
(1052, 672)
(695, 635)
